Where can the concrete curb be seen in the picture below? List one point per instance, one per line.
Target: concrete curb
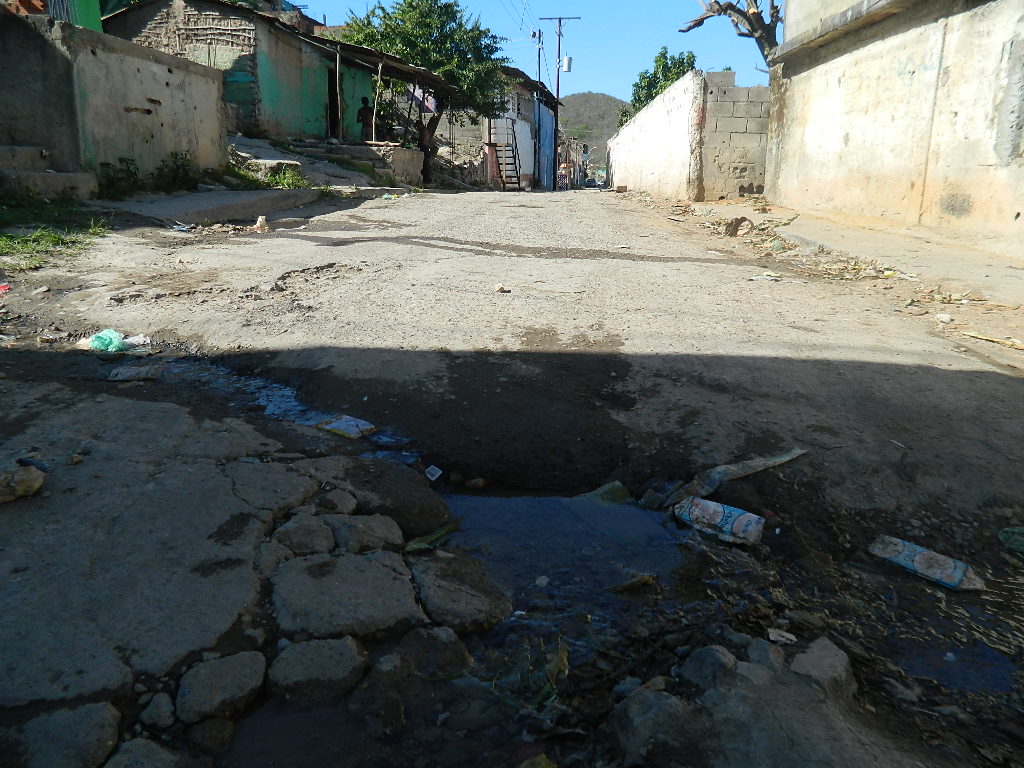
(213, 207)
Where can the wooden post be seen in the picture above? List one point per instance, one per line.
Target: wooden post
(376, 99)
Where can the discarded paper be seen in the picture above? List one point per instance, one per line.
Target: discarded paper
(941, 569)
(348, 426)
(727, 523)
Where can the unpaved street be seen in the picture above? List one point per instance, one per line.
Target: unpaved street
(544, 345)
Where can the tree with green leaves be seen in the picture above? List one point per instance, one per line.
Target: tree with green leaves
(651, 83)
(439, 35)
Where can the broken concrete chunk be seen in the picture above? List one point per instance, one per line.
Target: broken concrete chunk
(159, 713)
(709, 666)
(143, 753)
(769, 655)
(361, 595)
(379, 697)
(829, 666)
(21, 482)
(305, 535)
(400, 493)
(275, 488)
(221, 687)
(212, 736)
(81, 737)
(270, 555)
(456, 592)
(317, 670)
(647, 726)
(363, 533)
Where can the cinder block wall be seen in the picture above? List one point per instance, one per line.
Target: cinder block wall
(735, 137)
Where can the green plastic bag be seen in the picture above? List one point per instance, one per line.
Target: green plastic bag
(108, 341)
(1013, 538)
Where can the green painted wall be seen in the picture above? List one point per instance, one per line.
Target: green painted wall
(86, 13)
(292, 77)
(355, 83)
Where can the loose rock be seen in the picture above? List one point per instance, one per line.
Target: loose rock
(399, 493)
(436, 651)
(273, 488)
(21, 482)
(159, 713)
(221, 687)
(766, 654)
(379, 698)
(710, 666)
(647, 727)
(827, 664)
(340, 502)
(143, 753)
(317, 670)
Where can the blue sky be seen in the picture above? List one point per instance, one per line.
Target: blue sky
(613, 42)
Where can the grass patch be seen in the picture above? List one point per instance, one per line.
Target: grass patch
(32, 229)
(244, 179)
(287, 178)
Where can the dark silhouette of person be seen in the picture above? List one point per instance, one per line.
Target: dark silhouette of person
(365, 118)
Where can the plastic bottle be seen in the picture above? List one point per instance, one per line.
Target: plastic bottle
(727, 523)
(944, 570)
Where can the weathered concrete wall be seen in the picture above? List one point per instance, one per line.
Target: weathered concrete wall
(407, 164)
(659, 150)
(37, 105)
(703, 139)
(734, 137)
(804, 15)
(95, 98)
(355, 84)
(917, 116)
(211, 34)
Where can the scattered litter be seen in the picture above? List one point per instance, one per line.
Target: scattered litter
(138, 340)
(732, 229)
(943, 318)
(261, 225)
(179, 227)
(402, 458)
(433, 472)
(1008, 342)
(348, 426)
(640, 580)
(773, 277)
(944, 570)
(727, 523)
(21, 482)
(897, 442)
(781, 637)
(613, 492)
(388, 196)
(136, 373)
(387, 439)
(108, 341)
(708, 481)
(499, 288)
(41, 290)
(4, 287)
(1013, 538)
(432, 540)
(28, 461)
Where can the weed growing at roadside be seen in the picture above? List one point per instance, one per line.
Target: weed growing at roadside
(178, 171)
(33, 229)
(287, 178)
(117, 181)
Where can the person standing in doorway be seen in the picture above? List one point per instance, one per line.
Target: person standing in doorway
(365, 119)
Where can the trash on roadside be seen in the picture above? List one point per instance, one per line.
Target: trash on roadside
(4, 285)
(944, 318)
(732, 229)
(136, 373)
(348, 426)
(402, 458)
(388, 196)
(21, 482)
(499, 288)
(613, 492)
(1013, 538)
(108, 341)
(708, 481)
(1008, 342)
(138, 340)
(727, 523)
(386, 439)
(261, 225)
(774, 277)
(41, 290)
(433, 540)
(432, 472)
(781, 637)
(476, 483)
(941, 569)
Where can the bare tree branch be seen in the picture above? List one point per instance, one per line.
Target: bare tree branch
(748, 22)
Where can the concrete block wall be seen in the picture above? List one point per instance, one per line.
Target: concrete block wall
(735, 137)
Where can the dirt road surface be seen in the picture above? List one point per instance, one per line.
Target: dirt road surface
(547, 344)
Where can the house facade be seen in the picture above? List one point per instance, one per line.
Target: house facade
(912, 110)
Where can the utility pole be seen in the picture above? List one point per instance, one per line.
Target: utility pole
(538, 178)
(558, 82)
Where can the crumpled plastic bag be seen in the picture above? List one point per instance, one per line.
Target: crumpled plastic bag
(108, 341)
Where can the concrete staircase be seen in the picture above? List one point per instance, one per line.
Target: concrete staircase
(377, 157)
(23, 167)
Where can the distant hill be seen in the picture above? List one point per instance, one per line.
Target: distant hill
(594, 118)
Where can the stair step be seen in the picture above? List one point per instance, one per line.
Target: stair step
(21, 158)
(52, 184)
